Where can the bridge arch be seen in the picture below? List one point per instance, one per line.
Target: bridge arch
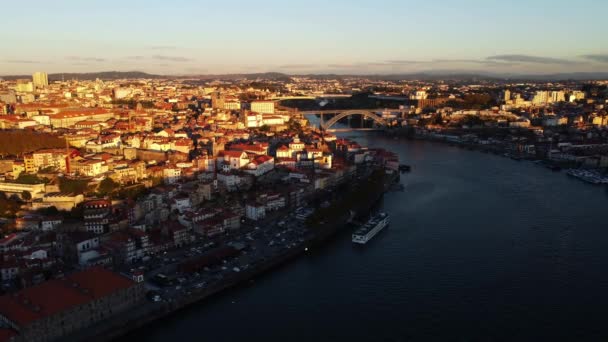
(364, 113)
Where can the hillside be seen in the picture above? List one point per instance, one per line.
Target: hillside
(16, 143)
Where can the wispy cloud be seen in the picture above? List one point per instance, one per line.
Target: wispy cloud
(86, 59)
(530, 59)
(602, 58)
(297, 66)
(484, 62)
(21, 61)
(343, 66)
(400, 62)
(171, 58)
(162, 47)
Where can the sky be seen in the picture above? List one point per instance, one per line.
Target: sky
(182, 37)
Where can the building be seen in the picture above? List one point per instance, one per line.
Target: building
(61, 201)
(40, 79)
(24, 86)
(59, 307)
(255, 211)
(36, 190)
(419, 95)
(53, 158)
(97, 214)
(217, 100)
(262, 107)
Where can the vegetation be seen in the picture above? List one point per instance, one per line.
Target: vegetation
(133, 192)
(472, 120)
(26, 195)
(50, 211)
(107, 186)
(73, 186)
(26, 178)
(357, 101)
(353, 198)
(473, 101)
(9, 206)
(132, 103)
(16, 143)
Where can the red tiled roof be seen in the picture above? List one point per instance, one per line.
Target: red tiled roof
(57, 295)
(7, 334)
(233, 154)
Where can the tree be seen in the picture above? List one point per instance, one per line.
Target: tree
(25, 178)
(26, 195)
(107, 186)
(73, 186)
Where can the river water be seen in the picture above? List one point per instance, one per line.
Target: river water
(480, 248)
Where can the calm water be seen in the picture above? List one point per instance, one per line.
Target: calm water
(480, 248)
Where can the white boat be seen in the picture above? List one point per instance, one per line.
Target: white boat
(370, 229)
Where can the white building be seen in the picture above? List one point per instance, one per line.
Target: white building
(255, 211)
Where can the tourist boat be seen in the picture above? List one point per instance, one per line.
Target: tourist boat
(587, 176)
(370, 229)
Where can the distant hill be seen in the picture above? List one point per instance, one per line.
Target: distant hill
(431, 75)
(104, 75)
(468, 76)
(273, 76)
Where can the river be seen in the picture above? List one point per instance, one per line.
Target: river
(480, 247)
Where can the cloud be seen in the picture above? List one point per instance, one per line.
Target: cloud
(297, 66)
(597, 58)
(342, 66)
(86, 59)
(21, 61)
(400, 62)
(484, 62)
(530, 59)
(162, 47)
(171, 58)
(137, 58)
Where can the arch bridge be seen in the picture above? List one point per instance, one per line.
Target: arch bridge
(341, 114)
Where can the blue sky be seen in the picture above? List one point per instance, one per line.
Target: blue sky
(338, 36)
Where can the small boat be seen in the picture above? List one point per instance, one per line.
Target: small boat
(404, 168)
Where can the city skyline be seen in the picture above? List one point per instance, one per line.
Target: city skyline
(353, 37)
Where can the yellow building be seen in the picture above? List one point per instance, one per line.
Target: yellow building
(18, 168)
(28, 162)
(55, 158)
(262, 107)
(41, 79)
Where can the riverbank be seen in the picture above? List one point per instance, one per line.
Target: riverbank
(512, 151)
(149, 312)
(474, 241)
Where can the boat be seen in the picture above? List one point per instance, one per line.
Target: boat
(405, 168)
(587, 176)
(370, 228)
